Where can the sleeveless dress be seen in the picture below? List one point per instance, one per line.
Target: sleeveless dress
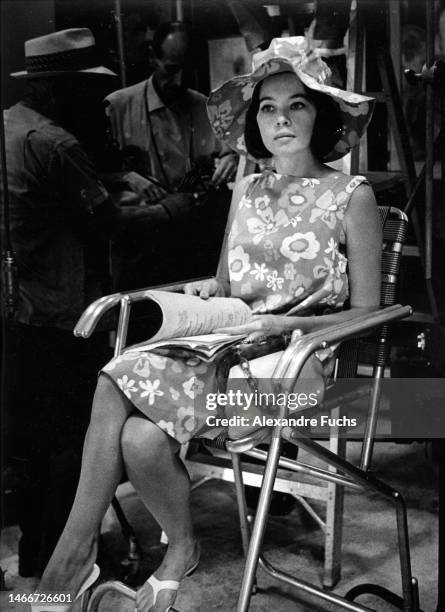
(285, 252)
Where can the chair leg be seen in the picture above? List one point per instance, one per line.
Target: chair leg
(333, 536)
(132, 561)
(259, 525)
(334, 514)
(369, 482)
(104, 589)
(241, 501)
(409, 583)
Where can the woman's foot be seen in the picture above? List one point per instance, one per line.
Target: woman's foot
(69, 568)
(179, 561)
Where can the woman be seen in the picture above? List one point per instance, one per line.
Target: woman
(282, 255)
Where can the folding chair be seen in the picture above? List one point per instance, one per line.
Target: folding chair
(394, 226)
(370, 354)
(346, 474)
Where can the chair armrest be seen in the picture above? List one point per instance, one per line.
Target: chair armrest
(302, 347)
(299, 348)
(97, 309)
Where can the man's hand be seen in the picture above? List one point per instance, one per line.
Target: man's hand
(225, 168)
(149, 190)
(205, 288)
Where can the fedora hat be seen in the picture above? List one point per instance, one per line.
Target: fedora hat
(62, 53)
(228, 104)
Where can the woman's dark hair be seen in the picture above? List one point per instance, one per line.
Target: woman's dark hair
(326, 133)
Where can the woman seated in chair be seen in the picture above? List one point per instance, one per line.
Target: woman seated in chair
(302, 239)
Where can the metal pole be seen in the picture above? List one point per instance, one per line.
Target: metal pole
(356, 57)
(7, 236)
(8, 267)
(259, 527)
(117, 14)
(439, 447)
(429, 140)
(179, 10)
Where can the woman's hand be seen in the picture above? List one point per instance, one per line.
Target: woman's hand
(205, 288)
(265, 325)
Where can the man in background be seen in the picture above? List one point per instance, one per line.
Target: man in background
(164, 134)
(61, 219)
(166, 122)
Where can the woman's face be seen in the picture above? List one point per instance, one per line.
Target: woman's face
(286, 115)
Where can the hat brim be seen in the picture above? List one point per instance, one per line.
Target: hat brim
(227, 107)
(96, 71)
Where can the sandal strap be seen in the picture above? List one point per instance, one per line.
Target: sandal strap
(91, 579)
(161, 585)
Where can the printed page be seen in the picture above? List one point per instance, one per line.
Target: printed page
(189, 315)
(209, 341)
(205, 346)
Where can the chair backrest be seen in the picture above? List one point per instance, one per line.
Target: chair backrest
(374, 349)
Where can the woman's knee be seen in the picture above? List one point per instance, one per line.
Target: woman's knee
(108, 400)
(142, 441)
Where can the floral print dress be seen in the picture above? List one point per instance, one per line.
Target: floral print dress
(285, 253)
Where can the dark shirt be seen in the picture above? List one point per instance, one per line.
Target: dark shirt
(53, 191)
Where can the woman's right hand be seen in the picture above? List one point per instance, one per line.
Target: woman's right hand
(206, 288)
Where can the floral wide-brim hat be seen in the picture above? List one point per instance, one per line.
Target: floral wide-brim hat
(227, 105)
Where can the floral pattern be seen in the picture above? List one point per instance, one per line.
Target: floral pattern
(329, 208)
(126, 385)
(193, 387)
(300, 246)
(266, 223)
(274, 265)
(298, 224)
(221, 118)
(172, 396)
(238, 263)
(150, 390)
(227, 105)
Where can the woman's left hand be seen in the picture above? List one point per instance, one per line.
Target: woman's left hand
(262, 325)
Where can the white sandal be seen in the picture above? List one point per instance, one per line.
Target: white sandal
(162, 585)
(81, 596)
(170, 585)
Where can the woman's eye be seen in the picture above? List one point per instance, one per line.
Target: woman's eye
(297, 105)
(267, 108)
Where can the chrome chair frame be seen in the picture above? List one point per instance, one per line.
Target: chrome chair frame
(290, 366)
(296, 353)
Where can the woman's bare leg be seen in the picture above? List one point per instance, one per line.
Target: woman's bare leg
(162, 482)
(75, 553)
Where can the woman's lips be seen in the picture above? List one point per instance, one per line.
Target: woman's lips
(286, 135)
